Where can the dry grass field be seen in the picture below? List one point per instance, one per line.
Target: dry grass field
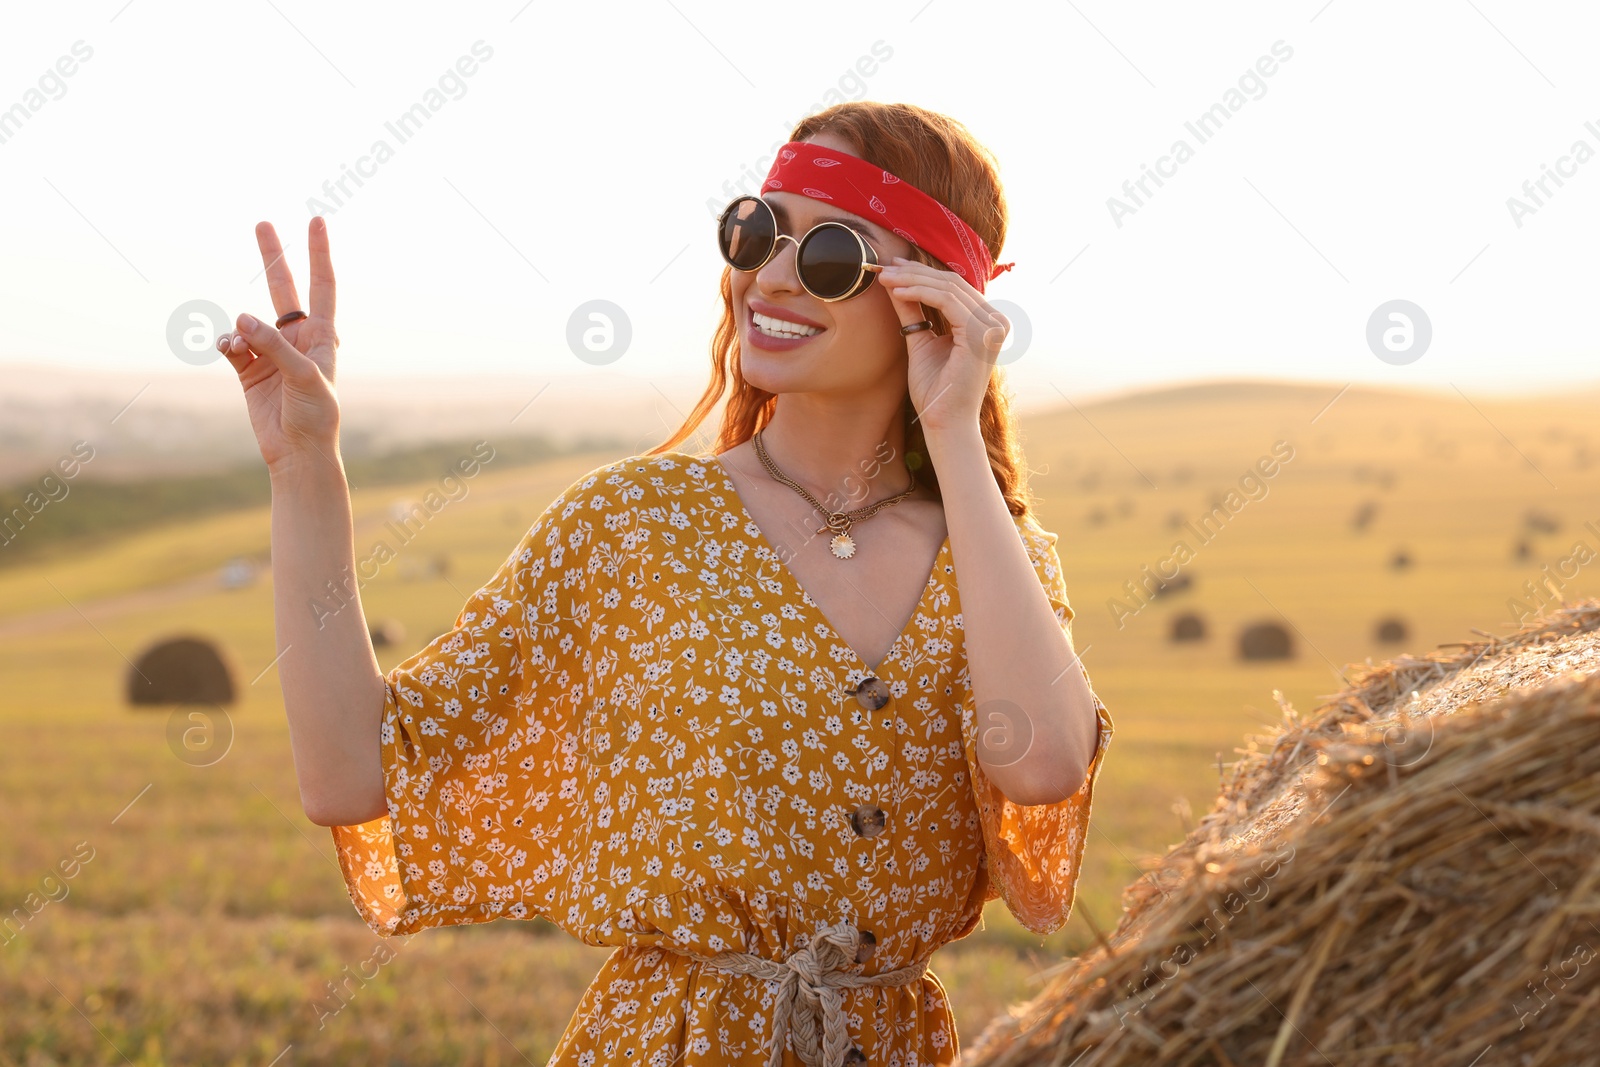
(209, 924)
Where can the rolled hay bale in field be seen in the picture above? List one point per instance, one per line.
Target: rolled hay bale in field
(1181, 582)
(1265, 640)
(1189, 626)
(1541, 522)
(424, 569)
(1391, 631)
(181, 670)
(1408, 875)
(386, 632)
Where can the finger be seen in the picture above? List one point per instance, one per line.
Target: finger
(231, 343)
(269, 344)
(983, 329)
(912, 268)
(280, 283)
(950, 302)
(909, 311)
(237, 349)
(322, 287)
(974, 311)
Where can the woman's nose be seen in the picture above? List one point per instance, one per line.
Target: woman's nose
(778, 274)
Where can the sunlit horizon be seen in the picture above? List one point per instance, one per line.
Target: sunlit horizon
(552, 176)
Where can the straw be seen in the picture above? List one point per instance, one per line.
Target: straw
(1410, 874)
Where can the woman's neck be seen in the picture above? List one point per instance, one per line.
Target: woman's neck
(855, 453)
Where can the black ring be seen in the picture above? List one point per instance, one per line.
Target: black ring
(289, 316)
(907, 331)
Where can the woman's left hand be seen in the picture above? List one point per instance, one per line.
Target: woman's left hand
(948, 373)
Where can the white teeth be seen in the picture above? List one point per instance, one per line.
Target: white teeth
(781, 328)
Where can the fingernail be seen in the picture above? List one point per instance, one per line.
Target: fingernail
(247, 322)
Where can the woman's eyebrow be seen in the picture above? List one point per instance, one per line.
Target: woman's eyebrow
(783, 219)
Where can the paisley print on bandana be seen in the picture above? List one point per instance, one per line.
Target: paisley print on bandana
(872, 192)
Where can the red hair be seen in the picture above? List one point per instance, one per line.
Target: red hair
(938, 155)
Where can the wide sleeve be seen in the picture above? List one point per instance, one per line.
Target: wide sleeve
(1033, 852)
(480, 747)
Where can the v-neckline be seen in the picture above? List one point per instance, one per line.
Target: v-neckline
(927, 586)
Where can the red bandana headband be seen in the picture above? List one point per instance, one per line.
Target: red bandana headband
(865, 189)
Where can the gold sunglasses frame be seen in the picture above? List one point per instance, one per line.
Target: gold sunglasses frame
(864, 274)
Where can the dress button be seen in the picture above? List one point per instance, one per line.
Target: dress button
(854, 1056)
(866, 946)
(872, 693)
(868, 820)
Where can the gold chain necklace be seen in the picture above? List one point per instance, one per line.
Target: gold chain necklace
(843, 545)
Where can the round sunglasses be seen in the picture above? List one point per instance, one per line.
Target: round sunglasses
(832, 259)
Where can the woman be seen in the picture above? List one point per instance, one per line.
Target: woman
(730, 713)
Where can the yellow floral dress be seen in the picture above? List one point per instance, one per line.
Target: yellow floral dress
(644, 730)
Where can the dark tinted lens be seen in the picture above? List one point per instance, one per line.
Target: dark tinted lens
(747, 233)
(830, 261)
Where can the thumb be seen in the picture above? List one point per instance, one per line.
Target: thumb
(266, 341)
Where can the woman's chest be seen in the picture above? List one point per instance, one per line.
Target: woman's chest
(725, 726)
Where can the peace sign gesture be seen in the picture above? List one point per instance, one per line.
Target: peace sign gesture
(287, 374)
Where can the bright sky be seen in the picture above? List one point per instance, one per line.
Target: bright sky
(583, 156)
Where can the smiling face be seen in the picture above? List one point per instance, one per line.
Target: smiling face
(858, 340)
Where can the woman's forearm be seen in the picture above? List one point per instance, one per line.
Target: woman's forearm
(1032, 699)
(332, 686)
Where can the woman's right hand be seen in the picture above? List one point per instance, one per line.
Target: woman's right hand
(288, 375)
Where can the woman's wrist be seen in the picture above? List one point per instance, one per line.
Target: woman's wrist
(954, 441)
(316, 468)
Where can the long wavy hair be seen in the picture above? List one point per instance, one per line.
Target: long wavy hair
(938, 155)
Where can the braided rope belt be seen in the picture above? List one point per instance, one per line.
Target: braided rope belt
(809, 983)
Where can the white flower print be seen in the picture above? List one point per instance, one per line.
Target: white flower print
(640, 729)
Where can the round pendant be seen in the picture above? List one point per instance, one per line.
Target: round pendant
(843, 546)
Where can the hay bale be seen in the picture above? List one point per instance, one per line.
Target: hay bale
(1188, 627)
(1178, 583)
(1541, 522)
(386, 632)
(1400, 560)
(1364, 515)
(1265, 640)
(1406, 876)
(1391, 631)
(181, 670)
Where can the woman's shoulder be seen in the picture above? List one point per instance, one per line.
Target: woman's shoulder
(644, 480)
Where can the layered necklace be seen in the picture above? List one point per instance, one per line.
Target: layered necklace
(839, 522)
